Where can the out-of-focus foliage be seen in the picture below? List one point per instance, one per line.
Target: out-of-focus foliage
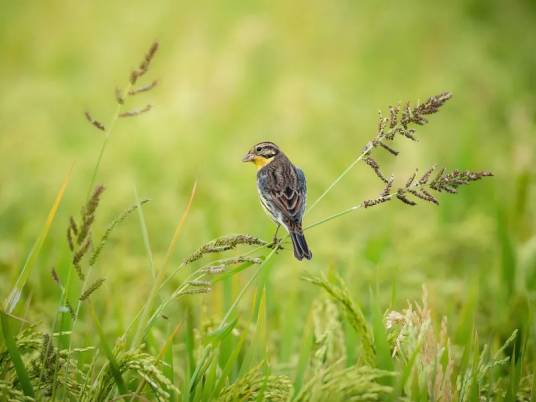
(311, 77)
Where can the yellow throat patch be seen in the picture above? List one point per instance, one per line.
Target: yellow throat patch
(260, 162)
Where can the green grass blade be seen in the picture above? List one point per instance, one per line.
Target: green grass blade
(383, 350)
(514, 377)
(209, 382)
(167, 354)
(257, 349)
(533, 384)
(226, 348)
(231, 361)
(114, 367)
(406, 372)
(508, 253)
(351, 310)
(145, 234)
(15, 356)
(15, 294)
(220, 333)
(304, 355)
(144, 324)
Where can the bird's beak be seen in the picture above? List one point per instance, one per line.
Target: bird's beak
(248, 157)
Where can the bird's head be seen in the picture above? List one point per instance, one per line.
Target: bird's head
(262, 154)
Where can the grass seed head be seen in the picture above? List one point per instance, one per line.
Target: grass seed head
(136, 112)
(224, 244)
(145, 64)
(91, 289)
(95, 123)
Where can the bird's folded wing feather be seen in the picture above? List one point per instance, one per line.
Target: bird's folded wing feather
(288, 196)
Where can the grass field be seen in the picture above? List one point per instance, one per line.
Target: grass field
(399, 303)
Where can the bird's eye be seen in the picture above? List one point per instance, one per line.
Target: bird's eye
(258, 149)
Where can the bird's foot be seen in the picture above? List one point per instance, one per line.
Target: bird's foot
(277, 244)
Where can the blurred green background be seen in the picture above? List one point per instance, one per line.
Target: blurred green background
(310, 76)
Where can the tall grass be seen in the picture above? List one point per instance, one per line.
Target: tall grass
(347, 351)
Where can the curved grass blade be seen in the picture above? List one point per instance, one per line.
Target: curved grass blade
(168, 346)
(145, 233)
(15, 356)
(145, 322)
(14, 297)
(351, 310)
(108, 352)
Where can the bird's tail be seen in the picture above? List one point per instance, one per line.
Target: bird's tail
(301, 249)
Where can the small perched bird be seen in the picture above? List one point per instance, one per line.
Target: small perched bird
(282, 191)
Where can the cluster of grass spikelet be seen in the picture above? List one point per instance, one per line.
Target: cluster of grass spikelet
(423, 361)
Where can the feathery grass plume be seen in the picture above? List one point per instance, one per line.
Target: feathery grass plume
(28, 341)
(484, 366)
(376, 168)
(79, 234)
(42, 358)
(91, 288)
(55, 277)
(95, 123)
(88, 214)
(199, 283)
(48, 360)
(104, 239)
(240, 260)
(355, 383)
(422, 188)
(144, 65)
(432, 359)
(329, 346)
(84, 247)
(10, 393)
(76, 263)
(136, 112)
(189, 290)
(221, 266)
(450, 182)
(72, 232)
(214, 269)
(412, 335)
(352, 312)
(143, 88)
(137, 363)
(256, 385)
(120, 99)
(398, 123)
(224, 244)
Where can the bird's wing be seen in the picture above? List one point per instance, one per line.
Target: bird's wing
(286, 194)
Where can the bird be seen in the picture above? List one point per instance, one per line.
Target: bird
(282, 191)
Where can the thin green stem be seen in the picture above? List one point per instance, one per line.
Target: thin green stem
(213, 262)
(107, 135)
(143, 327)
(338, 179)
(246, 287)
(145, 234)
(195, 275)
(271, 254)
(198, 274)
(331, 217)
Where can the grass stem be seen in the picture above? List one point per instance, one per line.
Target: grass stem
(337, 180)
(107, 135)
